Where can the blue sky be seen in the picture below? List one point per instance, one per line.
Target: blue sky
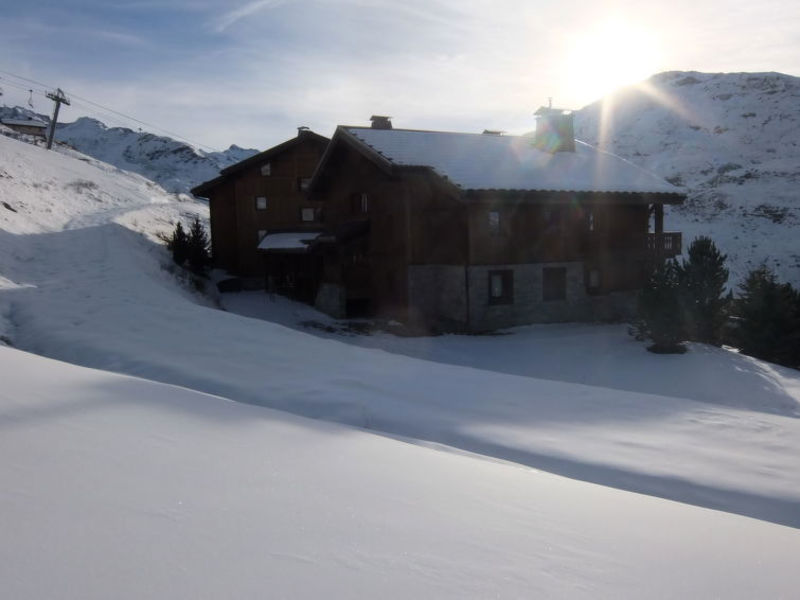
(250, 71)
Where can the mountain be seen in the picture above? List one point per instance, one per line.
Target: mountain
(175, 165)
(732, 140)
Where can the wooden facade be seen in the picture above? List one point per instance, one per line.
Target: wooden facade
(262, 194)
(403, 241)
(438, 256)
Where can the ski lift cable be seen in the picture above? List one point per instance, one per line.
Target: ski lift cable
(177, 136)
(44, 86)
(24, 88)
(111, 110)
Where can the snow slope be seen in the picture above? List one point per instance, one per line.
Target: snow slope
(174, 165)
(115, 487)
(733, 140)
(80, 286)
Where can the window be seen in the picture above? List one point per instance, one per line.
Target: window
(308, 214)
(261, 203)
(501, 287)
(590, 219)
(262, 233)
(266, 169)
(494, 222)
(364, 203)
(302, 183)
(554, 284)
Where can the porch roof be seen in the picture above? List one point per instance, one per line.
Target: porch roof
(288, 240)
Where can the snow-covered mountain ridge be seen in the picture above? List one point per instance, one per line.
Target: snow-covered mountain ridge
(732, 140)
(175, 165)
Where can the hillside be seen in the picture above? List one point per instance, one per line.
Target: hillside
(174, 165)
(732, 140)
(210, 497)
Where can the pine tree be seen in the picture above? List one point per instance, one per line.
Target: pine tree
(178, 244)
(659, 310)
(198, 247)
(702, 282)
(768, 315)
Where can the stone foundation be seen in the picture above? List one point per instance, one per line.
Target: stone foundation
(456, 298)
(332, 300)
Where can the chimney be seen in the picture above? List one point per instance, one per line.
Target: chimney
(302, 130)
(381, 122)
(555, 131)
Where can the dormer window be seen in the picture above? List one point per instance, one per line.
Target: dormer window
(266, 169)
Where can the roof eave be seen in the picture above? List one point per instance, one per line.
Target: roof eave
(225, 173)
(649, 197)
(342, 135)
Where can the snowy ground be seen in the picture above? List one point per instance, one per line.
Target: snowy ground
(79, 283)
(115, 487)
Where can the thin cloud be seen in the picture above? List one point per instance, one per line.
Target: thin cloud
(246, 10)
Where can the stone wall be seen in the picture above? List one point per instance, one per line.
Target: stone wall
(438, 299)
(437, 296)
(528, 304)
(332, 300)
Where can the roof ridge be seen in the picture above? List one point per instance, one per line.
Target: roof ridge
(368, 128)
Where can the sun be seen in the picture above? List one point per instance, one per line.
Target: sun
(607, 56)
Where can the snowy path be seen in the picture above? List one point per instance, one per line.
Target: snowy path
(97, 296)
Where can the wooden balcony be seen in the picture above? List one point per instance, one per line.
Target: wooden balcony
(664, 245)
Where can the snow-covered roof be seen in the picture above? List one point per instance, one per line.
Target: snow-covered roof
(293, 240)
(24, 122)
(508, 162)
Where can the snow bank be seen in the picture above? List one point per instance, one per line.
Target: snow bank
(115, 487)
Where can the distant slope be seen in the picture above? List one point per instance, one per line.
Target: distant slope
(733, 140)
(175, 165)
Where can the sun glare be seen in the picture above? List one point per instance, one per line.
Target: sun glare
(608, 56)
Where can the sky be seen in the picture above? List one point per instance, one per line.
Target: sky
(248, 72)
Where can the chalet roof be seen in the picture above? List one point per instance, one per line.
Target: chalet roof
(256, 159)
(506, 162)
(24, 122)
(288, 240)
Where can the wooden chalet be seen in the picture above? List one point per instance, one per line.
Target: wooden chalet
(262, 198)
(27, 126)
(474, 232)
(446, 231)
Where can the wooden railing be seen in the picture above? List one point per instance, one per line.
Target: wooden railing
(664, 245)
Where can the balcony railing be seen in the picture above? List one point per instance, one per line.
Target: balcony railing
(664, 245)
